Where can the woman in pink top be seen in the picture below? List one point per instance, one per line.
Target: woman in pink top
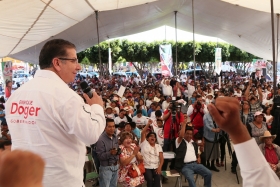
(8, 89)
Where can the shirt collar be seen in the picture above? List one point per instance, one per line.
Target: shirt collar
(49, 75)
(109, 136)
(272, 147)
(189, 142)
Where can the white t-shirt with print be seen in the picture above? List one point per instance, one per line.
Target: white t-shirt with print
(150, 154)
(159, 132)
(118, 119)
(140, 121)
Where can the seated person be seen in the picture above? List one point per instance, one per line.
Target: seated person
(270, 151)
(187, 159)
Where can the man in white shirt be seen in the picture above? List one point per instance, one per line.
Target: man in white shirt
(225, 112)
(238, 92)
(166, 88)
(187, 159)
(191, 87)
(166, 103)
(48, 118)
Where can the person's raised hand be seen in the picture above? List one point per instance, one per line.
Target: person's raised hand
(226, 114)
(96, 99)
(150, 122)
(21, 168)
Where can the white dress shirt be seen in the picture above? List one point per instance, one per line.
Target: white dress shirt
(166, 89)
(48, 118)
(255, 170)
(191, 89)
(165, 105)
(190, 154)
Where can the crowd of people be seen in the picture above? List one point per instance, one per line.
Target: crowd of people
(149, 102)
(134, 129)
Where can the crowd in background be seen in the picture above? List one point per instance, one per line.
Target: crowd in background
(147, 120)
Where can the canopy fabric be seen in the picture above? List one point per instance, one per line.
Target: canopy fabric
(260, 5)
(27, 25)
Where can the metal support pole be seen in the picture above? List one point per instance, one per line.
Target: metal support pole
(99, 53)
(273, 49)
(176, 68)
(194, 63)
(277, 40)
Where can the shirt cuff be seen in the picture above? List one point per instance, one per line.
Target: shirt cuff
(249, 155)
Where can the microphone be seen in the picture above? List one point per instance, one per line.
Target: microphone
(86, 89)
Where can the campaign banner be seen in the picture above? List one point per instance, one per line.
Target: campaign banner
(7, 70)
(218, 60)
(165, 52)
(110, 61)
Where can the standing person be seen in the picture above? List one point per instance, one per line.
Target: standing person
(255, 102)
(255, 172)
(2, 112)
(211, 137)
(170, 131)
(166, 88)
(196, 112)
(8, 89)
(246, 117)
(178, 90)
(152, 155)
(191, 88)
(257, 127)
(108, 154)
(48, 118)
(129, 155)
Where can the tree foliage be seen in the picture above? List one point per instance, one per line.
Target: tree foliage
(144, 53)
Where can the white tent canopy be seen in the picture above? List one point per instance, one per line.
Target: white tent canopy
(25, 25)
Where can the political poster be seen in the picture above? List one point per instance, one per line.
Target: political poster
(218, 60)
(165, 52)
(7, 70)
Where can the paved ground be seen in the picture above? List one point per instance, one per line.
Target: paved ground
(224, 178)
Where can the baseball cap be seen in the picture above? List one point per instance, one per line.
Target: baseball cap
(258, 113)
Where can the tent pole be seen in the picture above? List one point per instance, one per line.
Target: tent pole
(277, 40)
(176, 69)
(99, 54)
(273, 49)
(194, 63)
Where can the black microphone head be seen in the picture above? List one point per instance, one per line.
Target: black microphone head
(84, 85)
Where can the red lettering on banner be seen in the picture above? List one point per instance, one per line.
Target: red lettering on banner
(25, 110)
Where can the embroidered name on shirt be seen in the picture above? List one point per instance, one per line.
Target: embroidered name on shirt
(24, 108)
